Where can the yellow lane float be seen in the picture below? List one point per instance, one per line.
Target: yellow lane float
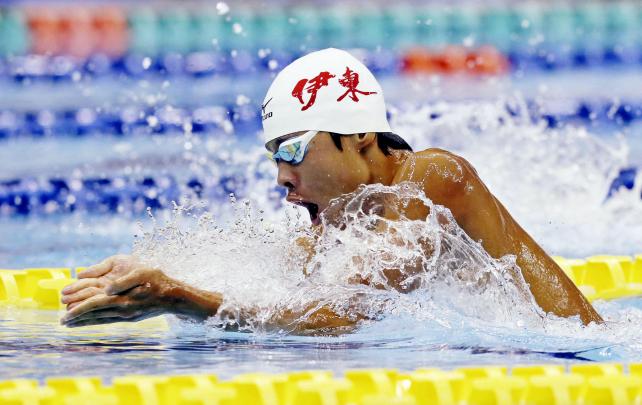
(602, 384)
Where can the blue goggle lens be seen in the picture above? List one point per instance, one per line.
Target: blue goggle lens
(293, 152)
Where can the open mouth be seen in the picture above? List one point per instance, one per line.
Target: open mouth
(313, 210)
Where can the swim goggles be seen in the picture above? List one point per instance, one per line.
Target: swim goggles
(293, 150)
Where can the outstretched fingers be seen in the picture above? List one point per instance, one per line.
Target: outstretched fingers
(126, 282)
(81, 295)
(100, 269)
(95, 303)
(79, 286)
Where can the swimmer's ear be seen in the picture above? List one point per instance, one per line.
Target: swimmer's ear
(364, 140)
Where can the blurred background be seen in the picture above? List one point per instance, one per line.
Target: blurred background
(110, 108)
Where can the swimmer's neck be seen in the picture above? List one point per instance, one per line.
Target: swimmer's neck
(384, 168)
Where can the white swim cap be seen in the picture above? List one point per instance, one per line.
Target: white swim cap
(327, 90)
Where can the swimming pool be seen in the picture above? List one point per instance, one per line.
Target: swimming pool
(161, 118)
(35, 346)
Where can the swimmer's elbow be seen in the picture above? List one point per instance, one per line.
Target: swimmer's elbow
(321, 321)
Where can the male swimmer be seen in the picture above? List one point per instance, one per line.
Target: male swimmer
(325, 125)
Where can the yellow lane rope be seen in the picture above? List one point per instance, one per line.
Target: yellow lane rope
(533, 384)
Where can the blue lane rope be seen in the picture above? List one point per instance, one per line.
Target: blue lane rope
(244, 119)
(194, 64)
(208, 63)
(122, 195)
(127, 120)
(113, 195)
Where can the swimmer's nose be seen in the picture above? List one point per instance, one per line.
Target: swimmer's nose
(286, 177)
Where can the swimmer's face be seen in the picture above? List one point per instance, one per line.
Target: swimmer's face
(325, 173)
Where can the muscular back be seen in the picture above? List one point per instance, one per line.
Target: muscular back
(449, 180)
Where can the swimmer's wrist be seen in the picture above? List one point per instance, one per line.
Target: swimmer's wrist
(185, 300)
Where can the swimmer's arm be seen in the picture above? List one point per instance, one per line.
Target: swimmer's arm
(189, 302)
(451, 181)
(120, 289)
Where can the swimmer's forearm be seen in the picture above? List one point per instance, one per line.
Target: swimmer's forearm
(188, 301)
(552, 289)
(500, 235)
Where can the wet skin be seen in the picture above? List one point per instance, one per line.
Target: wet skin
(121, 289)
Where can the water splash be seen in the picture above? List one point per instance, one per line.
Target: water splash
(349, 268)
(450, 291)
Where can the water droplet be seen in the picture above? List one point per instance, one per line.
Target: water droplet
(242, 99)
(222, 8)
(152, 121)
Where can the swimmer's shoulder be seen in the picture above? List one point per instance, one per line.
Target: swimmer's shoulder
(437, 170)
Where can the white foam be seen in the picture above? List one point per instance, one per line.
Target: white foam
(256, 264)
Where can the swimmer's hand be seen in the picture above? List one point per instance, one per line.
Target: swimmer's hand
(96, 278)
(121, 289)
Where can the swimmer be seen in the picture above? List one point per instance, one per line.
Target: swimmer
(325, 126)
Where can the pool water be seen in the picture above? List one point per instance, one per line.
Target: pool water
(34, 345)
(94, 168)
